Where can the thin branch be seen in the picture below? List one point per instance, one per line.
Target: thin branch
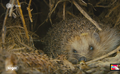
(111, 10)
(105, 6)
(46, 3)
(82, 3)
(29, 11)
(11, 9)
(28, 47)
(64, 10)
(22, 18)
(118, 21)
(3, 6)
(50, 13)
(86, 15)
(4, 28)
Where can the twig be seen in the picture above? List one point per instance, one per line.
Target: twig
(17, 49)
(46, 3)
(2, 6)
(15, 27)
(23, 3)
(68, 12)
(51, 5)
(111, 10)
(83, 3)
(105, 6)
(29, 11)
(118, 21)
(26, 46)
(4, 28)
(35, 21)
(11, 9)
(86, 15)
(64, 10)
(116, 50)
(22, 18)
(11, 47)
(50, 13)
(41, 24)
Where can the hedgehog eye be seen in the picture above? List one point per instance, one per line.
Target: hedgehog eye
(74, 51)
(91, 48)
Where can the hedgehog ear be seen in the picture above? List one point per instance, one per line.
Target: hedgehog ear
(96, 36)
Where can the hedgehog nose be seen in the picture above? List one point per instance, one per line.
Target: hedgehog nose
(82, 58)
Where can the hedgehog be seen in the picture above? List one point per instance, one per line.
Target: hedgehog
(79, 39)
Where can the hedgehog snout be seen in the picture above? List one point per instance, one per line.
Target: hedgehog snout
(82, 58)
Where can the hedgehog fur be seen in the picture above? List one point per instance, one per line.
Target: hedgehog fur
(79, 38)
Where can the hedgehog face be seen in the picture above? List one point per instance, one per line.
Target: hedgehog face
(92, 45)
(83, 47)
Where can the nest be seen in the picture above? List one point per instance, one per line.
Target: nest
(18, 54)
